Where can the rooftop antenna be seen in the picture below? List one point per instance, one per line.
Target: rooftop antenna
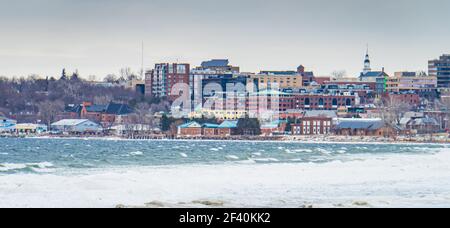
(142, 61)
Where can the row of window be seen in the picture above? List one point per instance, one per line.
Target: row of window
(306, 130)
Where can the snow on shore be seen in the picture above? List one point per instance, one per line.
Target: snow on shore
(376, 181)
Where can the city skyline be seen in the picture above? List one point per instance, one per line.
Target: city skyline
(100, 37)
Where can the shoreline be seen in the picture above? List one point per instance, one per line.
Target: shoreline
(277, 139)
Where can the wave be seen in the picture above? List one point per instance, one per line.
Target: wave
(397, 180)
(232, 157)
(27, 167)
(137, 153)
(183, 155)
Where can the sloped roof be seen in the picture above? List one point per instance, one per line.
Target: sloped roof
(405, 120)
(118, 109)
(321, 113)
(374, 74)
(215, 63)
(96, 108)
(229, 124)
(210, 125)
(192, 124)
(372, 124)
(413, 114)
(273, 124)
(425, 121)
(73, 108)
(69, 122)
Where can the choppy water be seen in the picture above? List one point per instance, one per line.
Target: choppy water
(41, 155)
(105, 173)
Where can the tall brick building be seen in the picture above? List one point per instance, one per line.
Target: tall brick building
(160, 81)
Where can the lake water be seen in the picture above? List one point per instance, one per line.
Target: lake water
(105, 173)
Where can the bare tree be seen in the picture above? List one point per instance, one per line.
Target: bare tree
(111, 78)
(339, 74)
(103, 99)
(127, 74)
(48, 111)
(444, 103)
(392, 110)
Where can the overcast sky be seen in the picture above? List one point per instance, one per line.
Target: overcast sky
(98, 37)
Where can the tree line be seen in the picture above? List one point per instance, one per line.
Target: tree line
(30, 99)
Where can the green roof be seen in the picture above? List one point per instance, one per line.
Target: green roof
(210, 125)
(192, 124)
(229, 124)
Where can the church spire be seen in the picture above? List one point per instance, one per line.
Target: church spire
(367, 62)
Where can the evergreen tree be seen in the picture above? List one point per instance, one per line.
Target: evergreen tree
(75, 76)
(63, 75)
(249, 126)
(165, 123)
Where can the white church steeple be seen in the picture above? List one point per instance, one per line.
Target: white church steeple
(367, 62)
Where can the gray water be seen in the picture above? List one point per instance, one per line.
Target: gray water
(37, 155)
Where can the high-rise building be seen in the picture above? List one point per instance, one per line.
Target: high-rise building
(160, 81)
(440, 68)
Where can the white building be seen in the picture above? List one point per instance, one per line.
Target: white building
(77, 126)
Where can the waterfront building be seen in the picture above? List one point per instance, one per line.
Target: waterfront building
(364, 127)
(314, 122)
(7, 125)
(421, 124)
(115, 114)
(228, 128)
(133, 129)
(193, 128)
(277, 127)
(77, 126)
(219, 114)
(312, 125)
(92, 112)
(440, 68)
(71, 111)
(190, 129)
(27, 128)
(210, 129)
(107, 115)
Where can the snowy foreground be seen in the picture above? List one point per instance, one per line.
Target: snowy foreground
(366, 181)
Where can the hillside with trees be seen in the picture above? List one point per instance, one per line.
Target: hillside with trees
(31, 99)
